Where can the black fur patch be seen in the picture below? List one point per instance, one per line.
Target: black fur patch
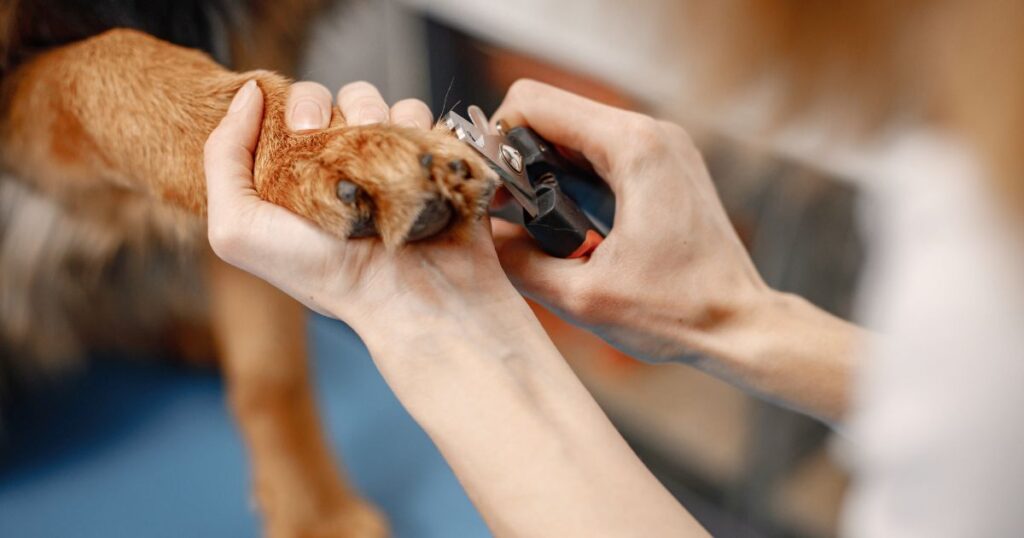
(43, 24)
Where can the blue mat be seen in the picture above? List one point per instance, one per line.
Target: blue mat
(138, 449)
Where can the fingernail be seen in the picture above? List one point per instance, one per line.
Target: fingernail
(243, 96)
(307, 115)
(370, 115)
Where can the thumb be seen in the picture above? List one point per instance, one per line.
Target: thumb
(566, 119)
(228, 155)
(541, 277)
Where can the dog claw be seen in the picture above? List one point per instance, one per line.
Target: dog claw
(364, 227)
(427, 160)
(347, 191)
(435, 215)
(459, 168)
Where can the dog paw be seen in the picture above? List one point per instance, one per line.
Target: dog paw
(399, 183)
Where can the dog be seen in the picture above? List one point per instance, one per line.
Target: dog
(104, 110)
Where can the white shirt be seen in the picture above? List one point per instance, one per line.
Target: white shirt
(938, 420)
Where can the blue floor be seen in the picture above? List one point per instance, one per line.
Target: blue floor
(139, 449)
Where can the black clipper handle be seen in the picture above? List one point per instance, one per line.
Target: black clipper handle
(576, 208)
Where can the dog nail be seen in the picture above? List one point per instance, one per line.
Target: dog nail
(427, 160)
(347, 191)
(459, 168)
(434, 217)
(364, 227)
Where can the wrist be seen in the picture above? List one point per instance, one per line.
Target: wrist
(413, 319)
(424, 330)
(782, 346)
(730, 332)
(432, 362)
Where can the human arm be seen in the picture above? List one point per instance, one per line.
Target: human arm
(672, 282)
(532, 449)
(456, 343)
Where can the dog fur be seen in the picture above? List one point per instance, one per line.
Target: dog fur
(103, 241)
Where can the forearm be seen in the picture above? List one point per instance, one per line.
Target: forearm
(533, 450)
(786, 349)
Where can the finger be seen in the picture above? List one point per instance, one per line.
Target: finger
(236, 214)
(362, 104)
(412, 113)
(228, 154)
(565, 119)
(308, 107)
(537, 275)
(504, 230)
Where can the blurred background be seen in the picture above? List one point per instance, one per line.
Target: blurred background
(136, 448)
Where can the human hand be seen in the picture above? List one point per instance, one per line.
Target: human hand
(672, 273)
(358, 281)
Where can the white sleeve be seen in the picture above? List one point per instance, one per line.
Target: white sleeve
(937, 431)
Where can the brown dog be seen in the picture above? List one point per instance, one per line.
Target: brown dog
(103, 240)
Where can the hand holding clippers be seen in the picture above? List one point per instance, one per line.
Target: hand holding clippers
(565, 208)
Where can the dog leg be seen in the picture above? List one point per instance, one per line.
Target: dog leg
(124, 109)
(261, 337)
(127, 114)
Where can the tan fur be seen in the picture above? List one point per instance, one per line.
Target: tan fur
(128, 110)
